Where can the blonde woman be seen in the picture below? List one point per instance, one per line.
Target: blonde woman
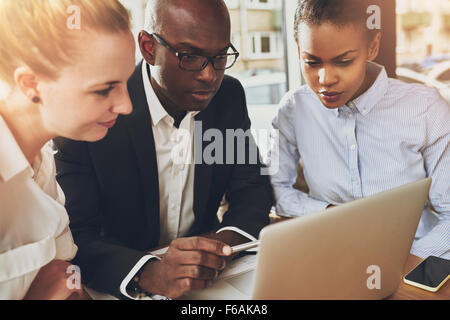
(64, 66)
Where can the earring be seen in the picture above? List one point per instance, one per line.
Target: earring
(36, 100)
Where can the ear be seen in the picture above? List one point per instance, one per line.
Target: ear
(27, 82)
(147, 47)
(374, 47)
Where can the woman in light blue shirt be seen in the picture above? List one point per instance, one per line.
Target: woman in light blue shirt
(357, 131)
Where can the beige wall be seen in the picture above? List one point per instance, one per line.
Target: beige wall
(235, 19)
(259, 20)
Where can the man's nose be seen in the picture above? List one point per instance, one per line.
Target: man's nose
(208, 74)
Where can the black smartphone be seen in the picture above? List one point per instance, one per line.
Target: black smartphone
(430, 274)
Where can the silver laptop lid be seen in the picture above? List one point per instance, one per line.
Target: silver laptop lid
(354, 251)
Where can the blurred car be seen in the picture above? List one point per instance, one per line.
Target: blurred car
(411, 76)
(415, 66)
(431, 61)
(441, 72)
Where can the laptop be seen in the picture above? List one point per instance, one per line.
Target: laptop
(357, 250)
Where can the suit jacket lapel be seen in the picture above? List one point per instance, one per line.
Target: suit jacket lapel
(140, 129)
(203, 172)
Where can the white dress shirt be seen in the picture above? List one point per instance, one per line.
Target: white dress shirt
(176, 170)
(34, 225)
(393, 134)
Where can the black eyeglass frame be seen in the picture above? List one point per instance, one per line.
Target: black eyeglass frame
(208, 60)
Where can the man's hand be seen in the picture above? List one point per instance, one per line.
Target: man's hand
(51, 283)
(229, 237)
(189, 264)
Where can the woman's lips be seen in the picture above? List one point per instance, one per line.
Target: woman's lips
(330, 96)
(108, 124)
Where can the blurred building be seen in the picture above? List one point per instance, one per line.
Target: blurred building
(257, 33)
(423, 29)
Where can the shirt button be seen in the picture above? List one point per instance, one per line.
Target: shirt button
(353, 147)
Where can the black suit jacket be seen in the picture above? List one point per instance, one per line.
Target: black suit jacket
(112, 190)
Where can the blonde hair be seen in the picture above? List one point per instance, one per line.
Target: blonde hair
(36, 33)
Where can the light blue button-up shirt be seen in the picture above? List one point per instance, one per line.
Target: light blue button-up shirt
(393, 134)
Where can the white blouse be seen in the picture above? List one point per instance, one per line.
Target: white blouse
(34, 225)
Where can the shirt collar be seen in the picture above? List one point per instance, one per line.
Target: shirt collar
(157, 111)
(365, 102)
(12, 159)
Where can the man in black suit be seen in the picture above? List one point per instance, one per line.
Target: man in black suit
(134, 190)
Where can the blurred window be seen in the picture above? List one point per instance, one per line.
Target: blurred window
(266, 45)
(261, 4)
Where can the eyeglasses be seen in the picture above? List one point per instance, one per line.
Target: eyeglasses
(193, 62)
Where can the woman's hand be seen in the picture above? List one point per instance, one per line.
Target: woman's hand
(51, 283)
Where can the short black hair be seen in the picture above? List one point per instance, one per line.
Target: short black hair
(338, 12)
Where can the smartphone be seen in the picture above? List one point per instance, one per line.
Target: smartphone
(430, 274)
